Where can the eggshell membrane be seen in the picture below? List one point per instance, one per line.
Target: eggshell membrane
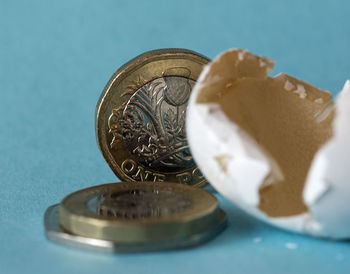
(257, 174)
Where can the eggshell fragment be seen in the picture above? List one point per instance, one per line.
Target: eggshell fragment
(273, 145)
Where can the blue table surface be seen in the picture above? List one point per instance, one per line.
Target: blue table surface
(56, 57)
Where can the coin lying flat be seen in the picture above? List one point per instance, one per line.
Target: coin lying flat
(140, 118)
(139, 213)
(57, 234)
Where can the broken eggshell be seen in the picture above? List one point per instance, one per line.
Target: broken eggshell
(275, 146)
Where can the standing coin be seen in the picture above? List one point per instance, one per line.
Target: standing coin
(140, 214)
(140, 118)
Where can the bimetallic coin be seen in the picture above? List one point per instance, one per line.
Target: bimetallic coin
(57, 234)
(140, 118)
(139, 213)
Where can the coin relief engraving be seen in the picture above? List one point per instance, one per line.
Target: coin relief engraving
(141, 114)
(152, 124)
(141, 204)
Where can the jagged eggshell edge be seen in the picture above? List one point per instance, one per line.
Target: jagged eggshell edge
(236, 166)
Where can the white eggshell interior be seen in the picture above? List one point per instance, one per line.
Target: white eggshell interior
(236, 166)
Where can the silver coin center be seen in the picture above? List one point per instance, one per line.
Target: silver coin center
(142, 204)
(153, 124)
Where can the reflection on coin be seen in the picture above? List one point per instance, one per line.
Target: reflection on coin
(139, 213)
(140, 118)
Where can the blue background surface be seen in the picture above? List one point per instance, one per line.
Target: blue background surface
(56, 57)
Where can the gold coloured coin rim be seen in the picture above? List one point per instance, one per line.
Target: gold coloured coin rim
(118, 77)
(75, 217)
(203, 203)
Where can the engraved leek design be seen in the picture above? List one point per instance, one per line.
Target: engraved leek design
(152, 123)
